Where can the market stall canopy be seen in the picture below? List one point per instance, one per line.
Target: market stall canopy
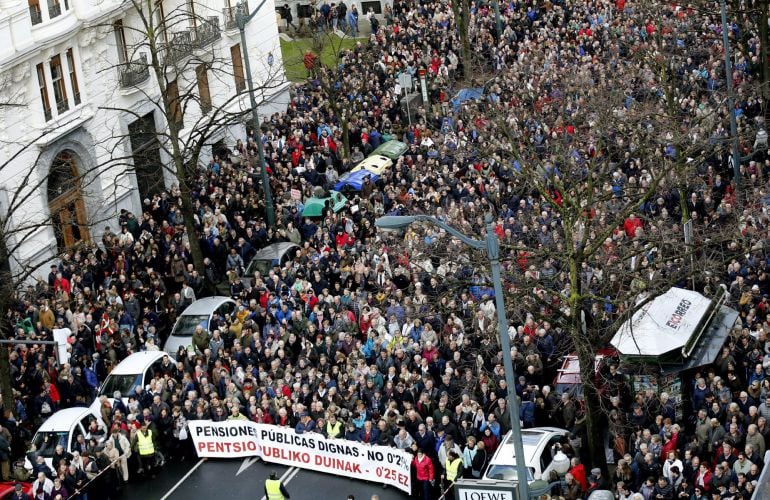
(673, 321)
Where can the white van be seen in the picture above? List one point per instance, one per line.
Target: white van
(135, 371)
(199, 313)
(61, 428)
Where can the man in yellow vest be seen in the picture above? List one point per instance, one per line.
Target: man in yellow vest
(146, 447)
(333, 427)
(274, 488)
(454, 471)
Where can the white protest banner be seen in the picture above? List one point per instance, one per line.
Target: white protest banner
(242, 438)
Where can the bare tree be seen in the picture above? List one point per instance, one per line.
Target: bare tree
(171, 57)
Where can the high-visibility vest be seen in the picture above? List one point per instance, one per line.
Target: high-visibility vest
(333, 430)
(452, 468)
(273, 489)
(144, 443)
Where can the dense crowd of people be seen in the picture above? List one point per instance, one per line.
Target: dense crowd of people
(359, 337)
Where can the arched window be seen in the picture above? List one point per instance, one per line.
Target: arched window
(65, 201)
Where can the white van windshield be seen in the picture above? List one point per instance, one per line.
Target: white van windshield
(185, 327)
(123, 383)
(506, 472)
(45, 442)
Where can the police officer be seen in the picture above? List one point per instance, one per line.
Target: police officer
(274, 488)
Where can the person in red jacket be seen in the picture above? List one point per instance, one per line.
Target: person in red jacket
(631, 225)
(578, 471)
(426, 477)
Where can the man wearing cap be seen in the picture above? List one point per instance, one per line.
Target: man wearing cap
(596, 481)
(305, 424)
(274, 488)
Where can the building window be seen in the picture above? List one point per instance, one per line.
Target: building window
(54, 8)
(43, 92)
(240, 81)
(201, 71)
(161, 19)
(57, 81)
(176, 113)
(35, 13)
(120, 41)
(73, 76)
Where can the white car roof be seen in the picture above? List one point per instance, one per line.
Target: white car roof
(205, 306)
(62, 420)
(533, 439)
(137, 362)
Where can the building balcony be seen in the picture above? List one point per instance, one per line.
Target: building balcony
(180, 46)
(207, 32)
(135, 72)
(230, 14)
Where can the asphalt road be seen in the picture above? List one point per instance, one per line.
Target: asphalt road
(245, 479)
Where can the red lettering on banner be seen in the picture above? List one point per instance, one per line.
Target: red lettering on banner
(338, 463)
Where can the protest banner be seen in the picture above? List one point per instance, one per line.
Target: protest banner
(242, 438)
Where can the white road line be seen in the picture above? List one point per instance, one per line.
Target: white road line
(287, 476)
(179, 483)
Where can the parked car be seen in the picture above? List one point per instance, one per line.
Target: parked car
(135, 371)
(538, 454)
(314, 207)
(376, 164)
(275, 254)
(61, 428)
(392, 149)
(355, 180)
(198, 313)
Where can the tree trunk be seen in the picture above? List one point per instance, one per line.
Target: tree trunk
(467, 54)
(765, 73)
(189, 223)
(6, 388)
(593, 407)
(6, 328)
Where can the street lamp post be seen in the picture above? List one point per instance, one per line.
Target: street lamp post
(241, 19)
(492, 246)
(736, 158)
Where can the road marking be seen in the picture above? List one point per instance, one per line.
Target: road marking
(179, 483)
(247, 462)
(287, 476)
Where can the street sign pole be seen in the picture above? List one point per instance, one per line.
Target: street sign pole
(405, 81)
(424, 87)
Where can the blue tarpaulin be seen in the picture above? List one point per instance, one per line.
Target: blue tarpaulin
(465, 95)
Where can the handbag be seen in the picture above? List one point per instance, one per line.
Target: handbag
(183, 433)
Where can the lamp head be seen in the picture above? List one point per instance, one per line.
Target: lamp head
(394, 222)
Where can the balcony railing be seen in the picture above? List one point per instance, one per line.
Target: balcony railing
(180, 46)
(207, 32)
(134, 72)
(35, 14)
(54, 9)
(230, 14)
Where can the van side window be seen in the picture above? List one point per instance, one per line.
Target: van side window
(151, 371)
(226, 308)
